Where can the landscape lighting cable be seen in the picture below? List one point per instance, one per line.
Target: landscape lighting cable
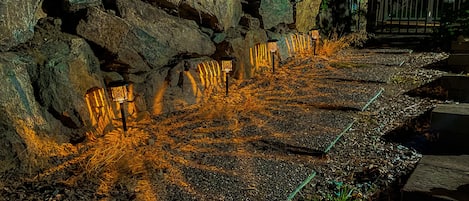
(313, 174)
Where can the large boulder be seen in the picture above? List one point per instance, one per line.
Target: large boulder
(22, 123)
(306, 13)
(241, 50)
(275, 12)
(145, 37)
(17, 100)
(172, 89)
(210, 13)
(66, 70)
(75, 5)
(175, 34)
(282, 39)
(115, 36)
(43, 91)
(17, 21)
(69, 70)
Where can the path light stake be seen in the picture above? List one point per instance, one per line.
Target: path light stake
(227, 66)
(272, 46)
(119, 94)
(315, 36)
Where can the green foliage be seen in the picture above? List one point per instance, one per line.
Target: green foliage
(324, 5)
(342, 192)
(455, 23)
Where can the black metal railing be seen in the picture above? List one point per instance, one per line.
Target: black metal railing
(409, 16)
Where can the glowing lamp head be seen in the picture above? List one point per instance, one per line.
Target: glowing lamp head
(315, 34)
(119, 91)
(272, 45)
(227, 64)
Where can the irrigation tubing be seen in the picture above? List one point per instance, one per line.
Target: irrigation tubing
(339, 136)
(372, 99)
(313, 174)
(303, 184)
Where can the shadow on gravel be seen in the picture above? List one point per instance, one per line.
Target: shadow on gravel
(267, 145)
(418, 134)
(355, 80)
(439, 65)
(443, 65)
(415, 133)
(444, 88)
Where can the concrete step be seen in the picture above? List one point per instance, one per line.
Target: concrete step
(455, 85)
(451, 121)
(439, 178)
(451, 118)
(459, 47)
(459, 59)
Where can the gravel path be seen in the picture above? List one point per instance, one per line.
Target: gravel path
(264, 140)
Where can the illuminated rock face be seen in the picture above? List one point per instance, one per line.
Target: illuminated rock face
(144, 37)
(241, 49)
(43, 91)
(275, 12)
(176, 35)
(306, 12)
(75, 5)
(219, 15)
(18, 107)
(69, 70)
(17, 99)
(23, 122)
(53, 54)
(17, 21)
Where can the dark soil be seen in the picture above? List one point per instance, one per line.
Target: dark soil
(262, 141)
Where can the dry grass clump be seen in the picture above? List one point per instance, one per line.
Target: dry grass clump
(35, 150)
(335, 43)
(121, 159)
(116, 151)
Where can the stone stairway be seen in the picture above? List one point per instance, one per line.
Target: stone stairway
(459, 57)
(444, 177)
(439, 178)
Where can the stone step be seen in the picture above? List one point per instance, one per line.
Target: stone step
(459, 59)
(455, 87)
(439, 178)
(451, 121)
(458, 46)
(451, 118)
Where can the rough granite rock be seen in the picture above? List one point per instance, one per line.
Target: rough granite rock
(241, 48)
(17, 21)
(145, 38)
(178, 36)
(69, 70)
(218, 16)
(22, 118)
(306, 13)
(75, 5)
(275, 12)
(17, 100)
(171, 89)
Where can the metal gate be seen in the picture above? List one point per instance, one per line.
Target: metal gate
(409, 16)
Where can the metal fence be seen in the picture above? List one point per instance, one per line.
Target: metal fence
(409, 16)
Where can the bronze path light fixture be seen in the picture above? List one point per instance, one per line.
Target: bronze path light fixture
(272, 46)
(315, 36)
(226, 66)
(119, 94)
